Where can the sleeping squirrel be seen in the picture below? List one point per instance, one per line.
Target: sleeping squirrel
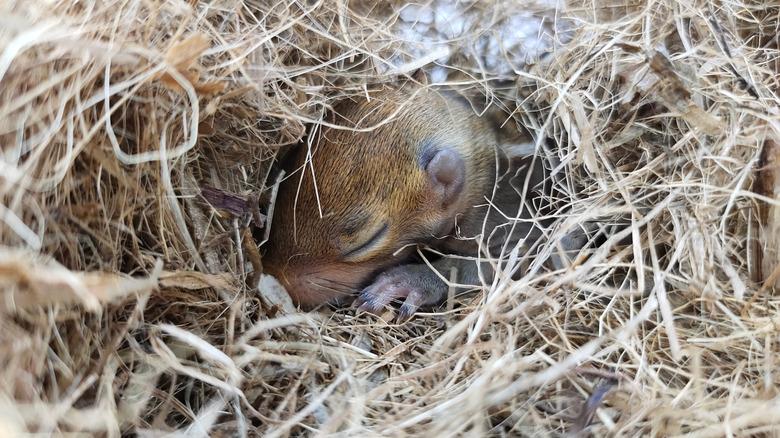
(411, 167)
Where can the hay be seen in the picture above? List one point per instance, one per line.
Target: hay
(129, 304)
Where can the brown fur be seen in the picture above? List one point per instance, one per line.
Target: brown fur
(367, 179)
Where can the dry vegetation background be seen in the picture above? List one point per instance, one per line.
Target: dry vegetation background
(129, 305)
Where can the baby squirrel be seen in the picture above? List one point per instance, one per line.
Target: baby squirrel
(349, 218)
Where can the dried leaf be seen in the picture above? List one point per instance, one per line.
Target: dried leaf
(585, 152)
(768, 184)
(675, 95)
(184, 54)
(183, 57)
(28, 281)
(274, 294)
(210, 87)
(193, 280)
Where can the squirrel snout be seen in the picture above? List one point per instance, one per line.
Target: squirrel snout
(310, 284)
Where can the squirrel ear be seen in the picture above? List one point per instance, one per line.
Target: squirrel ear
(420, 76)
(447, 174)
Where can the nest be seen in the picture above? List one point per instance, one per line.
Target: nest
(133, 306)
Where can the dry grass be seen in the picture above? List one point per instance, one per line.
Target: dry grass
(130, 305)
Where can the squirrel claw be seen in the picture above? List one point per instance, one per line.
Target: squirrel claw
(411, 304)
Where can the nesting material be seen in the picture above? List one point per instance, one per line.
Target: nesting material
(130, 304)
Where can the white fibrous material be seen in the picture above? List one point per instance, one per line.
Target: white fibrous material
(503, 38)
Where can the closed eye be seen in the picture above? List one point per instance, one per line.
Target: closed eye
(369, 243)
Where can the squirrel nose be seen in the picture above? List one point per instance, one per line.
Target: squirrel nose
(310, 285)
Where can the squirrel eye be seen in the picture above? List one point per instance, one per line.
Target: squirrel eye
(369, 243)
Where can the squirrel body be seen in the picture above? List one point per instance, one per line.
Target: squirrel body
(360, 201)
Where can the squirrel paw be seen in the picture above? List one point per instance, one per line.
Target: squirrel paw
(416, 285)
